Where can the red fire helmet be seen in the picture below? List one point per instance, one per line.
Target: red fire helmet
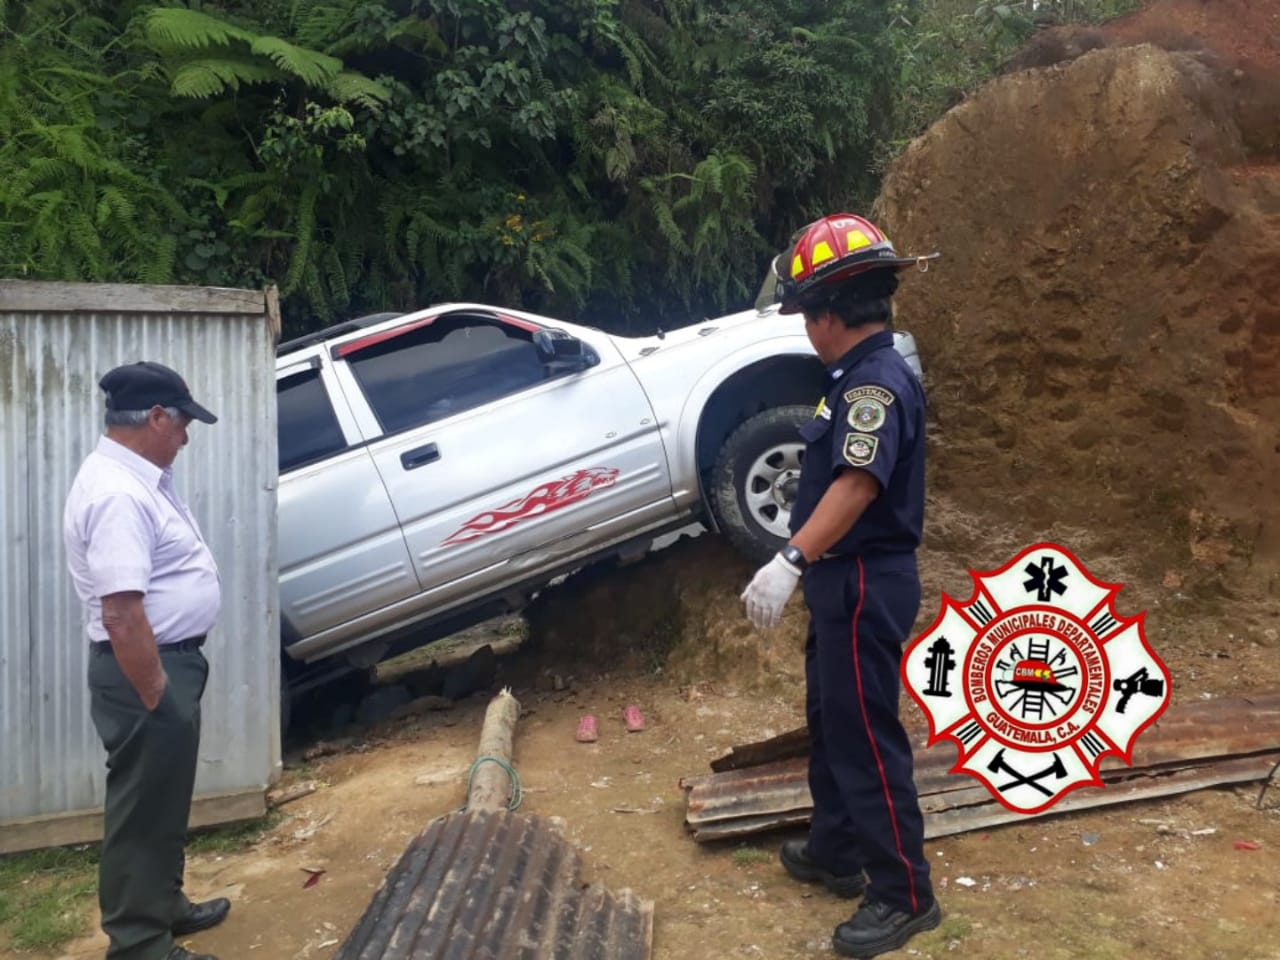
(828, 253)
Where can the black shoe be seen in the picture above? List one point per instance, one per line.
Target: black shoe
(177, 953)
(797, 862)
(877, 928)
(201, 916)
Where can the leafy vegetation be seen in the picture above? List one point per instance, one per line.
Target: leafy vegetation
(629, 162)
(746, 856)
(45, 896)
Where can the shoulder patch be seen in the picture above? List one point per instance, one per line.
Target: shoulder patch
(870, 391)
(860, 450)
(867, 415)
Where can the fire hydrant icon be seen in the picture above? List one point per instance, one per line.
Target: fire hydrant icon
(940, 663)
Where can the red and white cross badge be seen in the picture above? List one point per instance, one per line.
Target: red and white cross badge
(1036, 678)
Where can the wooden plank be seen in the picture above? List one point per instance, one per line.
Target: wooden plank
(785, 746)
(31, 296)
(85, 826)
(273, 313)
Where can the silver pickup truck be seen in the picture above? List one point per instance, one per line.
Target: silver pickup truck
(437, 468)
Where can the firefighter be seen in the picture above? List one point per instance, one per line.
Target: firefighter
(855, 528)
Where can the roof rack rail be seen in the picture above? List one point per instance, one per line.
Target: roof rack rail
(336, 330)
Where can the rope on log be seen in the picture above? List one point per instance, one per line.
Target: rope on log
(493, 784)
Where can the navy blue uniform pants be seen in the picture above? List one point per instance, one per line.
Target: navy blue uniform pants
(865, 812)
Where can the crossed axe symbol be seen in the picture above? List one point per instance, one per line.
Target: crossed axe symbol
(998, 765)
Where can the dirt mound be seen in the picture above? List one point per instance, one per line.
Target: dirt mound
(677, 612)
(1102, 337)
(1244, 33)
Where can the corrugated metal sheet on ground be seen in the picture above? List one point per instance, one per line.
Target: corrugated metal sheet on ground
(54, 347)
(498, 886)
(1192, 746)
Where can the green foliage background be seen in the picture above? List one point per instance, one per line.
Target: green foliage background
(628, 163)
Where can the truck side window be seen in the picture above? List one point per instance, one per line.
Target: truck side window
(453, 364)
(308, 429)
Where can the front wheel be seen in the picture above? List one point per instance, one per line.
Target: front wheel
(754, 480)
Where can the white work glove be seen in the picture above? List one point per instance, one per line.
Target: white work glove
(769, 590)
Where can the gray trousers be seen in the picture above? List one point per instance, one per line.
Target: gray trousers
(151, 772)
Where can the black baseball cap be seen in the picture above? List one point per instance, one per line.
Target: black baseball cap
(143, 385)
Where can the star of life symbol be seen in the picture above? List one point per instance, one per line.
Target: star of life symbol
(1036, 678)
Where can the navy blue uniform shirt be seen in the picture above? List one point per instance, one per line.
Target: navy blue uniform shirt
(871, 419)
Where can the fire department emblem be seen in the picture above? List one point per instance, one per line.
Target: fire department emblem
(1036, 678)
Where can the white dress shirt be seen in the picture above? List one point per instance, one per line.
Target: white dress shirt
(126, 529)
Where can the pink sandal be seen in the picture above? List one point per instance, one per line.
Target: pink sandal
(587, 730)
(634, 719)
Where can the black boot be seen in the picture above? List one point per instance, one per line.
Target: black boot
(878, 928)
(178, 953)
(797, 861)
(202, 916)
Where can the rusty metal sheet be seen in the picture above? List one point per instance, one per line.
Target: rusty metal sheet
(943, 818)
(1192, 746)
(498, 886)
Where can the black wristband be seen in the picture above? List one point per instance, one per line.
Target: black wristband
(794, 555)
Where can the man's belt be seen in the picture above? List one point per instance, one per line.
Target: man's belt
(182, 646)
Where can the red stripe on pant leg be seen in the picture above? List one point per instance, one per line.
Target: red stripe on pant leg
(875, 749)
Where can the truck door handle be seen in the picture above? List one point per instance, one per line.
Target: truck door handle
(419, 456)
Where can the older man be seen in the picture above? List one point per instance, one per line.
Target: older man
(151, 593)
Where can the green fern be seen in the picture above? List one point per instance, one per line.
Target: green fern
(312, 68)
(335, 277)
(158, 266)
(313, 289)
(300, 261)
(167, 27)
(351, 87)
(114, 205)
(201, 79)
(317, 24)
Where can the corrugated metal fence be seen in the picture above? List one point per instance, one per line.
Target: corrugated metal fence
(56, 341)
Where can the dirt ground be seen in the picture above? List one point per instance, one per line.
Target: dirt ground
(1102, 347)
(1154, 879)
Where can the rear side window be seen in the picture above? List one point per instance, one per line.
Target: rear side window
(309, 429)
(450, 365)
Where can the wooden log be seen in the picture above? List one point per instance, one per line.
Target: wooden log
(279, 797)
(785, 746)
(491, 784)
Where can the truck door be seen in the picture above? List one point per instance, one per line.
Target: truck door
(341, 551)
(496, 463)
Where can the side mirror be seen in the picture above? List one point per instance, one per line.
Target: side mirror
(562, 352)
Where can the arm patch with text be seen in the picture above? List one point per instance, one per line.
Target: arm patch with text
(860, 450)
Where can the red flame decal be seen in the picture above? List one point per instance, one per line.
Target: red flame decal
(541, 500)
